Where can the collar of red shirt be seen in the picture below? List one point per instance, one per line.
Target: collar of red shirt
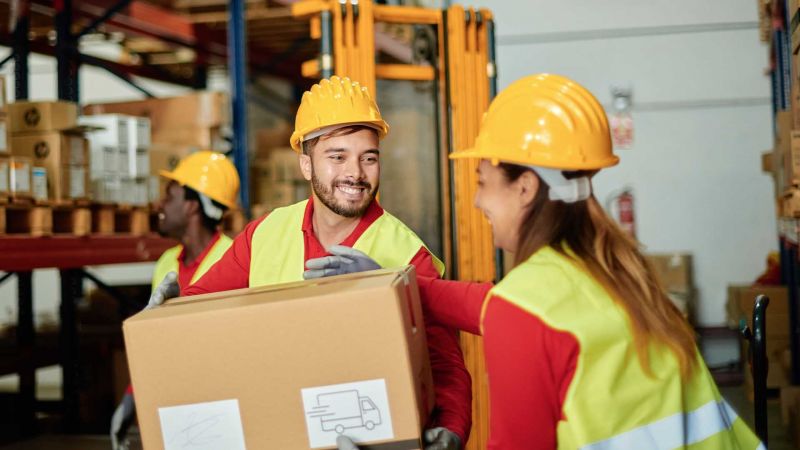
(202, 255)
(374, 211)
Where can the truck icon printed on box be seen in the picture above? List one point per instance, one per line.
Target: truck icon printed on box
(344, 410)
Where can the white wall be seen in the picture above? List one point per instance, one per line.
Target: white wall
(702, 116)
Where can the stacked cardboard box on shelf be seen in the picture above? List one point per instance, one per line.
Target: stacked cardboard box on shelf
(741, 299)
(275, 176)
(44, 136)
(676, 274)
(178, 127)
(5, 163)
(193, 120)
(120, 158)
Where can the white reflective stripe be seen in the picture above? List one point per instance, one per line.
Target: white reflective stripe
(675, 431)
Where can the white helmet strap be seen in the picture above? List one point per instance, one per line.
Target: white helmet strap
(209, 208)
(564, 189)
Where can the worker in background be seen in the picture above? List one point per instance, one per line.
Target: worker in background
(583, 348)
(200, 189)
(337, 132)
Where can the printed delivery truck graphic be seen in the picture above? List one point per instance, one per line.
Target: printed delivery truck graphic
(344, 410)
(359, 410)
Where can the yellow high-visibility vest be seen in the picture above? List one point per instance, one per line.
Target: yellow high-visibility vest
(277, 248)
(611, 403)
(168, 262)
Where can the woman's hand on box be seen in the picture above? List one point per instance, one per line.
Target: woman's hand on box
(343, 260)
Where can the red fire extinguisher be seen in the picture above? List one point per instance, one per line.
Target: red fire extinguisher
(621, 208)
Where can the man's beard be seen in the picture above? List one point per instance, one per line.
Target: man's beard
(346, 209)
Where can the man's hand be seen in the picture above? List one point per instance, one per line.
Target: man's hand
(343, 260)
(441, 439)
(435, 439)
(120, 422)
(167, 289)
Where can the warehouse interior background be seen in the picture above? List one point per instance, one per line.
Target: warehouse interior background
(701, 108)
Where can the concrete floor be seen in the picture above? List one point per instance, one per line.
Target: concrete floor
(778, 435)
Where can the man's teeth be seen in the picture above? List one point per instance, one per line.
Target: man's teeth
(350, 190)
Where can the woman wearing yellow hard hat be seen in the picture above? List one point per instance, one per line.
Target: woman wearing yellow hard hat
(583, 348)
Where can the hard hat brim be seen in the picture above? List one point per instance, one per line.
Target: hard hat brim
(171, 176)
(476, 153)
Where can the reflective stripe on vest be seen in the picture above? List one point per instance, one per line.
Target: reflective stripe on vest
(611, 402)
(277, 250)
(674, 431)
(168, 262)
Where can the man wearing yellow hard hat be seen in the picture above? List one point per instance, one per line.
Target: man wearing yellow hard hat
(337, 132)
(201, 188)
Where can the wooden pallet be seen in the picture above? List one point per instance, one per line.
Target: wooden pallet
(72, 218)
(20, 218)
(120, 219)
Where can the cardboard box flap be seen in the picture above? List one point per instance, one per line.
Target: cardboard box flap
(305, 289)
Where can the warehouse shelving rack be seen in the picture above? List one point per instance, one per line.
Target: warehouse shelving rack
(320, 37)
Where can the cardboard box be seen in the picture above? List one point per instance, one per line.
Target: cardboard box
(741, 299)
(675, 271)
(5, 189)
(285, 366)
(792, 161)
(114, 133)
(19, 173)
(64, 155)
(201, 109)
(790, 413)
(197, 137)
(4, 147)
(270, 138)
(783, 148)
(794, 21)
(29, 117)
(766, 162)
(3, 98)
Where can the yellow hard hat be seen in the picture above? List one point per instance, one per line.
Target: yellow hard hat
(209, 173)
(335, 102)
(546, 121)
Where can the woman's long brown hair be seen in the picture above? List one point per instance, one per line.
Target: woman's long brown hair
(613, 258)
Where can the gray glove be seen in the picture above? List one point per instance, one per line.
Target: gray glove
(435, 439)
(120, 422)
(344, 260)
(441, 438)
(167, 289)
(344, 443)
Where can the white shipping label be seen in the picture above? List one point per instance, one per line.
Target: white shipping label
(39, 183)
(357, 410)
(4, 177)
(77, 182)
(202, 426)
